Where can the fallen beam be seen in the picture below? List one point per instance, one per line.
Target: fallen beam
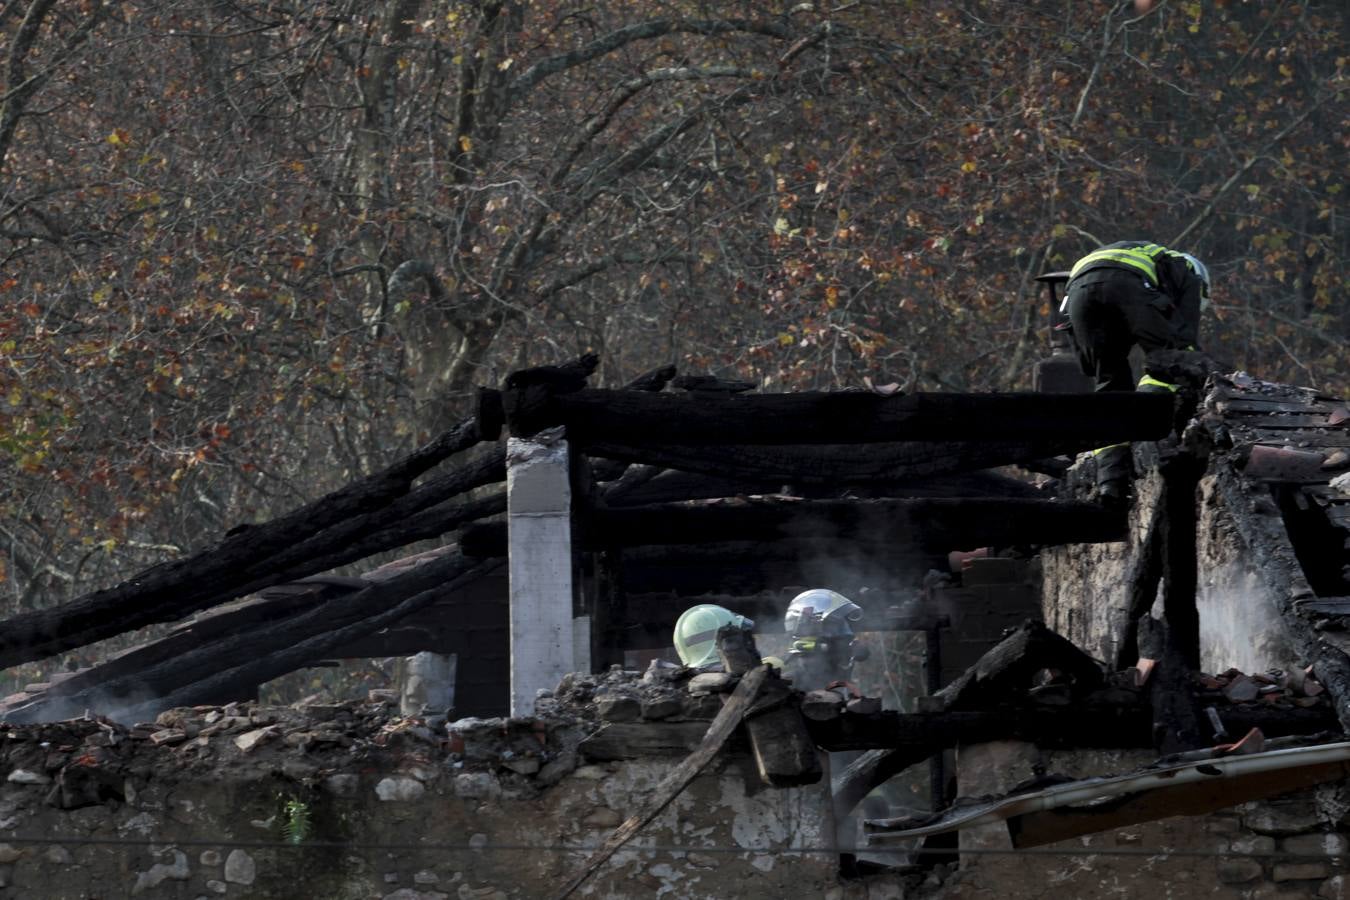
(257, 655)
(677, 780)
(178, 588)
(1007, 669)
(847, 417)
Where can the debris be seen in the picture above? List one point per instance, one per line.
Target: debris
(1337, 459)
(712, 682)
(864, 706)
(821, 706)
(251, 739)
(678, 778)
(1241, 689)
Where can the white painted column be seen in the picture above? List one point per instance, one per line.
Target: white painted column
(539, 527)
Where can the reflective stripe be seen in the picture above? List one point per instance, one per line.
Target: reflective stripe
(1100, 450)
(699, 638)
(1150, 381)
(1138, 258)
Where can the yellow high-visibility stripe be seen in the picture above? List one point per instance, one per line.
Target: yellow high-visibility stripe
(1150, 381)
(1100, 450)
(1140, 258)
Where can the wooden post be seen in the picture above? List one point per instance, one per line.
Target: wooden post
(539, 526)
(782, 747)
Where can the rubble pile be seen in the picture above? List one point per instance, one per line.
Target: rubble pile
(663, 693)
(1295, 687)
(95, 760)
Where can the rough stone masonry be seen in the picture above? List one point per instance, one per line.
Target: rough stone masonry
(353, 801)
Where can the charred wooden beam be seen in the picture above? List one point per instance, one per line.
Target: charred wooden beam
(831, 463)
(1176, 715)
(1007, 669)
(174, 589)
(528, 394)
(256, 655)
(931, 523)
(845, 417)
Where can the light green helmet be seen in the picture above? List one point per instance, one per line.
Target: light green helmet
(696, 633)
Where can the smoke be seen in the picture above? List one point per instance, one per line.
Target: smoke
(140, 704)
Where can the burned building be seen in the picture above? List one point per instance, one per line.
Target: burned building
(1203, 624)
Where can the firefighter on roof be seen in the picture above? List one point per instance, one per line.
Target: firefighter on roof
(1120, 295)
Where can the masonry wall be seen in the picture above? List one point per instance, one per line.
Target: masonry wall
(408, 818)
(1087, 590)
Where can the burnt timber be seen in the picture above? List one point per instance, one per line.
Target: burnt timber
(840, 417)
(880, 444)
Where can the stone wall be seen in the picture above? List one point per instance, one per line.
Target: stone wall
(354, 802)
(1087, 590)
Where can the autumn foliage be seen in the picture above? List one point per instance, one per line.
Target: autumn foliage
(250, 250)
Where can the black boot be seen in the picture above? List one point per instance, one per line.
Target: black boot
(1115, 466)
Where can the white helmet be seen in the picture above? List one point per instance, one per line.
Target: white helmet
(1200, 269)
(834, 610)
(696, 632)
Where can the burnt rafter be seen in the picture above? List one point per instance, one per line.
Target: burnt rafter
(635, 418)
(835, 464)
(249, 656)
(239, 562)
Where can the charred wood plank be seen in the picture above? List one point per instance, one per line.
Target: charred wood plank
(781, 747)
(1171, 689)
(832, 463)
(257, 655)
(528, 394)
(870, 771)
(1006, 670)
(1332, 668)
(653, 381)
(174, 589)
(843, 417)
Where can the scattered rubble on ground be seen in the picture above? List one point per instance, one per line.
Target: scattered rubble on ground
(94, 759)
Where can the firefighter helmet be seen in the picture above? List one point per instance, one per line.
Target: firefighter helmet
(833, 610)
(696, 633)
(1199, 269)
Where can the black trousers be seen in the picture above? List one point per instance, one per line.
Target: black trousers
(1112, 310)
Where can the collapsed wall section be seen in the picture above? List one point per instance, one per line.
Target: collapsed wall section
(350, 801)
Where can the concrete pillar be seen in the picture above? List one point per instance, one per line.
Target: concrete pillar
(539, 524)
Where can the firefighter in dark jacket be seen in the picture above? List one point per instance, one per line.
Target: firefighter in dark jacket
(1127, 293)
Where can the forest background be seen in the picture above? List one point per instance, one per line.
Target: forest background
(251, 250)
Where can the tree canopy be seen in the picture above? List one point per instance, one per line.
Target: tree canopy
(252, 249)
